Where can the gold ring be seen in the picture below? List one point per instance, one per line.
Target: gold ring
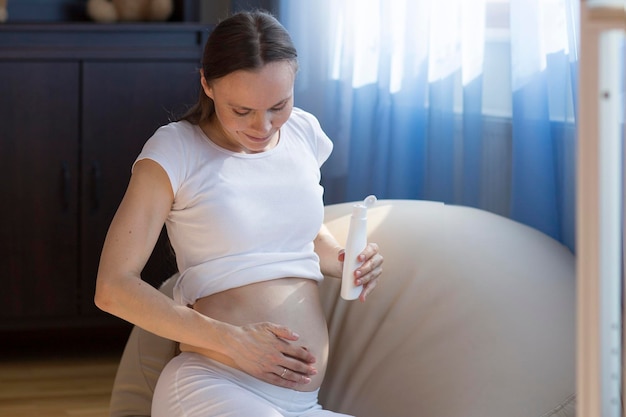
(284, 372)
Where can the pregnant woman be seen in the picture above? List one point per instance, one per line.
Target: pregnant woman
(236, 181)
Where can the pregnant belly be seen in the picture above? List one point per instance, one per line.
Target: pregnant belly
(291, 302)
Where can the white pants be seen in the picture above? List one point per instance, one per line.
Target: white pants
(192, 385)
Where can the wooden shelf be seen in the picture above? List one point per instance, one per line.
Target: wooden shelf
(74, 11)
(102, 41)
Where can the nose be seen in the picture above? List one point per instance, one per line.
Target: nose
(262, 122)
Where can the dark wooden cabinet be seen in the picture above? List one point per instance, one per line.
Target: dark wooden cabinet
(113, 136)
(39, 153)
(77, 103)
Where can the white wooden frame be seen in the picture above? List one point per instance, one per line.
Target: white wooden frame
(598, 357)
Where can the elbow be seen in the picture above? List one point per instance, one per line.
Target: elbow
(103, 297)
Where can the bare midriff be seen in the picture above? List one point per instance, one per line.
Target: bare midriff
(291, 302)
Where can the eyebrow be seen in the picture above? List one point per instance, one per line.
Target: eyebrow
(248, 108)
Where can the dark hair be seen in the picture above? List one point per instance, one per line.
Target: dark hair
(244, 41)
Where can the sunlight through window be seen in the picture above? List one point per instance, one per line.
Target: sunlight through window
(363, 49)
(373, 40)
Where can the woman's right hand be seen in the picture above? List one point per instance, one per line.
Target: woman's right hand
(269, 352)
(266, 351)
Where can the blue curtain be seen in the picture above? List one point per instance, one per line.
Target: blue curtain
(445, 100)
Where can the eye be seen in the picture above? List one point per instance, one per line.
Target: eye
(241, 112)
(279, 107)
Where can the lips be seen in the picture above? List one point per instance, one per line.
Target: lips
(260, 139)
(256, 139)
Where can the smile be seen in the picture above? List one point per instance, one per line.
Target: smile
(257, 139)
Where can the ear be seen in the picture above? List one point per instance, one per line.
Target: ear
(208, 90)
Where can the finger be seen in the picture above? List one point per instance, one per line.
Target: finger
(370, 250)
(290, 375)
(297, 355)
(298, 366)
(369, 270)
(283, 332)
(274, 379)
(282, 372)
(370, 281)
(367, 289)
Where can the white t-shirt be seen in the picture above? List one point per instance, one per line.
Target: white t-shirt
(242, 218)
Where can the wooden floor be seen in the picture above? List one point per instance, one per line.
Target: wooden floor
(57, 387)
(44, 381)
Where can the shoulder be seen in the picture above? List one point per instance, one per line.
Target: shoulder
(303, 119)
(176, 139)
(173, 133)
(308, 129)
(175, 147)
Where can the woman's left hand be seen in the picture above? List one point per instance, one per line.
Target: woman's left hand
(370, 270)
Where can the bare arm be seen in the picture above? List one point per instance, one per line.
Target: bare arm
(121, 291)
(330, 253)
(127, 247)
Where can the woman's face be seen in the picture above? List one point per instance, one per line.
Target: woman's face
(251, 106)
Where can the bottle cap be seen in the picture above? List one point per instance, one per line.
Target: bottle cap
(359, 210)
(369, 201)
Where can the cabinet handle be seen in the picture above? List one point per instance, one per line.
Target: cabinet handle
(96, 182)
(66, 181)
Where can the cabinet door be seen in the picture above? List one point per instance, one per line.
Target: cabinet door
(123, 104)
(39, 187)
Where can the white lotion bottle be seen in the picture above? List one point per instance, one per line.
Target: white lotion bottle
(355, 244)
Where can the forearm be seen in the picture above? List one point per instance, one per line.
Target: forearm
(137, 302)
(328, 250)
(129, 242)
